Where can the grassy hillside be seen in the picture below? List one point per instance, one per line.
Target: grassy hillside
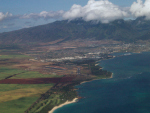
(121, 30)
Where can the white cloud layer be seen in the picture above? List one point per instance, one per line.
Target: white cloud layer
(141, 9)
(44, 14)
(98, 10)
(101, 10)
(4, 16)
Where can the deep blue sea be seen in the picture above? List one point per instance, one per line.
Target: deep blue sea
(127, 92)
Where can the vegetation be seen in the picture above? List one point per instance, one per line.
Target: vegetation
(57, 97)
(32, 74)
(39, 98)
(18, 105)
(97, 70)
(13, 56)
(127, 31)
(67, 92)
(11, 87)
(17, 98)
(11, 52)
(18, 74)
(6, 72)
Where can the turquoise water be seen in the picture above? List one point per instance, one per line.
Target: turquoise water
(127, 92)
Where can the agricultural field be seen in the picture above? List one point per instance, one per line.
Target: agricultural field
(13, 56)
(19, 74)
(6, 72)
(33, 74)
(17, 106)
(17, 98)
(32, 85)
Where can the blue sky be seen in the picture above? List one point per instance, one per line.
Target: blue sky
(18, 14)
(28, 6)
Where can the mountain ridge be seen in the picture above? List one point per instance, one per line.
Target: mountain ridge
(120, 30)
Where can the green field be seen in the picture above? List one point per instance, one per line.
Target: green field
(13, 56)
(11, 87)
(15, 98)
(5, 72)
(32, 74)
(19, 93)
(17, 106)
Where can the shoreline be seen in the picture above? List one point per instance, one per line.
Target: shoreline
(63, 104)
(75, 99)
(96, 79)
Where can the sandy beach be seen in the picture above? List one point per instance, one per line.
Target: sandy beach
(75, 99)
(61, 105)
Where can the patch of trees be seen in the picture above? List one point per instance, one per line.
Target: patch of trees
(97, 70)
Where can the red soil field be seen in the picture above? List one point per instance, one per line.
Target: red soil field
(37, 80)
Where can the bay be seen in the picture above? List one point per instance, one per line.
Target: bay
(127, 92)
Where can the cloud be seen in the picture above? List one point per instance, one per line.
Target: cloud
(141, 9)
(4, 16)
(44, 14)
(101, 10)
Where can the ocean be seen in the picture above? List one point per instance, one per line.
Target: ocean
(127, 92)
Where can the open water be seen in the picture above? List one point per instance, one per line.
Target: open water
(127, 92)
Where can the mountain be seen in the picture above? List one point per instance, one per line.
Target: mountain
(121, 30)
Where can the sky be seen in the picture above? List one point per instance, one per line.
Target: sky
(18, 14)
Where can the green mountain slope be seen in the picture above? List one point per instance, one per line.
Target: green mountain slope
(121, 30)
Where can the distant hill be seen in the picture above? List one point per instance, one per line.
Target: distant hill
(127, 31)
